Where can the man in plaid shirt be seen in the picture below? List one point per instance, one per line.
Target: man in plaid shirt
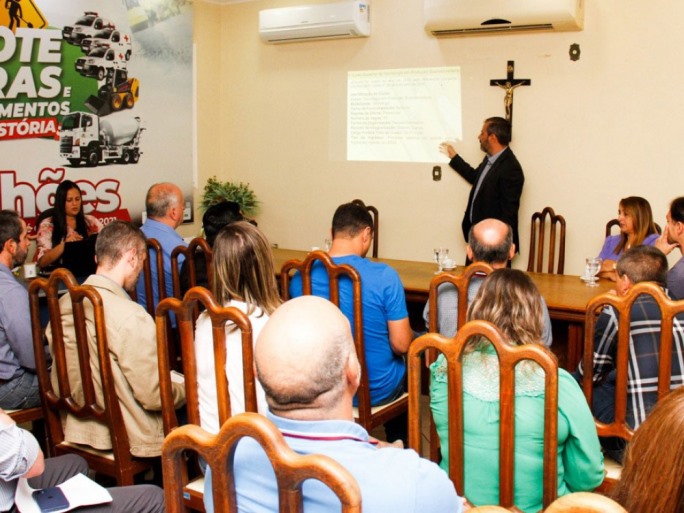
(638, 264)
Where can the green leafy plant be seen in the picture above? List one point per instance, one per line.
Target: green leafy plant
(216, 191)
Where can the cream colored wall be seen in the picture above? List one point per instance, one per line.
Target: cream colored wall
(587, 133)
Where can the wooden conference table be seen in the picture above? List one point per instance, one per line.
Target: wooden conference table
(566, 297)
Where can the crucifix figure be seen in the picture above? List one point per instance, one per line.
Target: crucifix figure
(508, 84)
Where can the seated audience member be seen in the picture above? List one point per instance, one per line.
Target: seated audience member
(67, 224)
(244, 276)
(306, 362)
(491, 242)
(22, 457)
(216, 217)
(636, 228)
(673, 237)
(386, 329)
(509, 300)
(651, 479)
(164, 206)
(18, 379)
(132, 340)
(638, 264)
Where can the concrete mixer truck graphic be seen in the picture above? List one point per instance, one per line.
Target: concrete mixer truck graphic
(88, 138)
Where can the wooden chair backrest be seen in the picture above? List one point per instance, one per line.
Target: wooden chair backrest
(220, 316)
(509, 356)
(334, 273)
(58, 401)
(623, 306)
(154, 252)
(376, 224)
(461, 282)
(537, 238)
(200, 246)
(291, 469)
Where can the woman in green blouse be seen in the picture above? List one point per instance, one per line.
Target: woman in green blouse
(509, 300)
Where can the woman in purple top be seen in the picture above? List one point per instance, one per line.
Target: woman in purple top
(636, 228)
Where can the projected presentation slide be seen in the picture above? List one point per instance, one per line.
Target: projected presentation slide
(402, 115)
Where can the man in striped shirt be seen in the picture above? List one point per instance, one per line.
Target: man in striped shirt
(638, 264)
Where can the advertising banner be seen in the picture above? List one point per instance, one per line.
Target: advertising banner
(98, 92)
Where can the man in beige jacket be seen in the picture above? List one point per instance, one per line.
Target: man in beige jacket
(132, 340)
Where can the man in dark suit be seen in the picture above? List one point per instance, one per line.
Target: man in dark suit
(497, 182)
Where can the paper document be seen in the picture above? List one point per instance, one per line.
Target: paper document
(79, 490)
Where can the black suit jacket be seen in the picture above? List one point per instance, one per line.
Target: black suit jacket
(499, 194)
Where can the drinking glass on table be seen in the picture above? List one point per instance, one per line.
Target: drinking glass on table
(592, 268)
(436, 258)
(441, 254)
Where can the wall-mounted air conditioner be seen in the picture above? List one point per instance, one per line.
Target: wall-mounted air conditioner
(471, 17)
(317, 21)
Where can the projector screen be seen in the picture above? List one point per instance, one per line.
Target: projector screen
(402, 115)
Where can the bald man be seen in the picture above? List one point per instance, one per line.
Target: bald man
(164, 205)
(491, 242)
(306, 362)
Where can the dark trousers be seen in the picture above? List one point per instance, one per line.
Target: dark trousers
(126, 499)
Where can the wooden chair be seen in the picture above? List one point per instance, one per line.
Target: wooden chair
(56, 402)
(26, 414)
(184, 311)
(376, 224)
(623, 306)
(509, 356)
(198, 245)
(154, 245)
(461, 283)
(583, 502)
(291, 469)
(537, 237)
(369, 417)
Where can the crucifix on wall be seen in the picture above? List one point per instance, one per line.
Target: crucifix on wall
(509, 84)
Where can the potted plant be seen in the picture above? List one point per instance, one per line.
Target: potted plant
(216, 191)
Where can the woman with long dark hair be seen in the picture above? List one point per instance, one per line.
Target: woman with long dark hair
(67, 224)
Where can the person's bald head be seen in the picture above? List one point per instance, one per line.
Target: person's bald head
(303, 356)
(165, 201)
(491, 241)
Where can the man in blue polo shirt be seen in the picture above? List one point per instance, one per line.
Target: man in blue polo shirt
(386, 329)
(164, 206)
(306, 361)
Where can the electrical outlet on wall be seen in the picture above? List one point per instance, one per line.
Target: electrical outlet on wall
(187, 212)
(437, 173)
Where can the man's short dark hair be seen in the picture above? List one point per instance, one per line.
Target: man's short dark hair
(115, 239)
(677, 210)
(350, 219)
(501, 128)
(643, 263)
(490, 254)
(219, 215)
(10, 227)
